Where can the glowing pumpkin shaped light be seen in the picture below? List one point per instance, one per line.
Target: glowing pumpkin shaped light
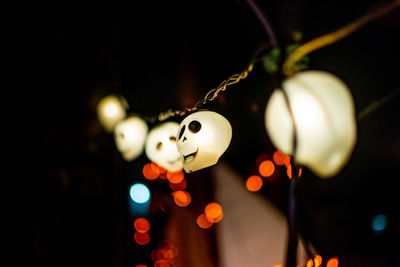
(130, 136)
(324, 117)
(110, 110)
(202, 138)
(161, 146)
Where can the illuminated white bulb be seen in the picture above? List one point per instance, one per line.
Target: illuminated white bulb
(161, 146)
(130, 136)
(110, 110)
(325, 121)
(202, 138)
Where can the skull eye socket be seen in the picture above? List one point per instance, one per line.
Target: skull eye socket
(172, 139)
(182, 131)
(194, 126)
(159, 146)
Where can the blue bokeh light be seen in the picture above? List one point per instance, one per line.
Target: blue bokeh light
(140, 193)
(379, 222)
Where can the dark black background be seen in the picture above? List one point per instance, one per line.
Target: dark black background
(168, 54)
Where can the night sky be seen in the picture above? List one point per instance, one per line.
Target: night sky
(169, 54)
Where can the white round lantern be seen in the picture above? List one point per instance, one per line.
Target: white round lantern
(161, 146)
(324, 117)
(110, 110)
(202, 138)
(130, 136)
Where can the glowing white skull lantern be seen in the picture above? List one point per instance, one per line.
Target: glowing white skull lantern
(323, 110)
(202, 138)
(110, 110)
(130, 136)
(161, 146)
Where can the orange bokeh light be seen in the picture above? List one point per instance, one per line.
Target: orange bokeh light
(317, 260)
(289, 173)
(149, 173)
(162, 263)
(142, 238)
(310, 263)
(213, 210)
(254, 183)
(266, 168)
(279, 158)
(155, 168)
(333, 262)
(216, 220)
(162, 173)
(182, 198)
(141, 265)
(203, 222)
(175, 177)
(141, 225)
(180, 186)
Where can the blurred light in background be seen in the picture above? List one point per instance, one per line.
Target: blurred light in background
(141, 225)
(142, 238)
(213, 212)
(280, 158)
(150, 171)
(333, 262)
(202, 221)
(176, 187)
(175, 177)
(254, 183)
(140, 193)
(266, 168)
(110, 110)
(379, 222)
(289, 171)
(182, 198)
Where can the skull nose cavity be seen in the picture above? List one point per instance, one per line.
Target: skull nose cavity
(184, 139)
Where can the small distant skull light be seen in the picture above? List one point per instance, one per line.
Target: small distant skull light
(110, 110)
(324, 117)
(161, 146)
(202, 138)
(130, 136)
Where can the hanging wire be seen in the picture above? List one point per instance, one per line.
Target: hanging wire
(288, 68)
(262, 18)
(212, 94)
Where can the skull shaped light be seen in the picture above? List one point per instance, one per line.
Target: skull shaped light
(161, 146)
(202, 138)
(110, 110)
(324, 116)
(130, 135)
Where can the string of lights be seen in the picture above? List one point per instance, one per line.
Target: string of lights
(308, 100)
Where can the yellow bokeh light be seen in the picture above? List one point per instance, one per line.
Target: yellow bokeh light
(110, 110)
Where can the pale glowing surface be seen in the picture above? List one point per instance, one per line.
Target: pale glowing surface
(110, 110)
(161, 146)
(130, 136)
(203, 137)
(140, 193)
(325, 121)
